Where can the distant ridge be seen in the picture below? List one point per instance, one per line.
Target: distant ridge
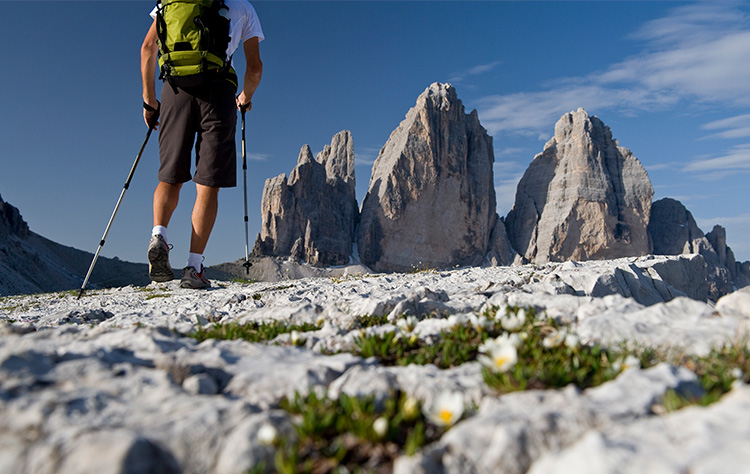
(30, 263)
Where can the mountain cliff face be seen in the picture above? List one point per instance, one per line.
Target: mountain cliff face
(673, 231)
(30, 263)
(430, 203)
(583, 198)
(431, 199)
(312, 215)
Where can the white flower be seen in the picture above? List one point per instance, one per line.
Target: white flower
(446, 409)
(267, 434)
(555, 339)
(737, 373)
(407, 324)
(380, 427)
(457, 320)
(501, 356)
(297, 338)
(572, 341)
(411, 406)
(513, 322)
(491, 344)
(480, 323)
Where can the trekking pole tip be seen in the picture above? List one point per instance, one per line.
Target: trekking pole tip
(80, 293)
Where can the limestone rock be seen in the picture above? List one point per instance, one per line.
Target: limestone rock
(313, 215)
(673, 231)
(583, 198)
(501, 252)
(431, 198)
(696, 439)
(718, 239)
(110, 383)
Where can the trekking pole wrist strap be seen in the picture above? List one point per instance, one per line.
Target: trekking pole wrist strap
(149, 108)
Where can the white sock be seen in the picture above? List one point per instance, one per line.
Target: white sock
(195, 260)
(160, 230)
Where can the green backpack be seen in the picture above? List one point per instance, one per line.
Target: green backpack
(193, 36)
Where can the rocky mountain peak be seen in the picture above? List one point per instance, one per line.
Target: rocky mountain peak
(431, 199)
(313, 215)
(584, 197)
(11, 220)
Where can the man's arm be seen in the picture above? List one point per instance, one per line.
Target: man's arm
(253, 73)
(148, 71)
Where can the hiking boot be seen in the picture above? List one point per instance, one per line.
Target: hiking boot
(158, 260)
(193, 279)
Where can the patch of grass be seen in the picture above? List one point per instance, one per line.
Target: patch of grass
(453, 348)
(422, 268)
(157, 295)
(243, 281)
(540, 368)
(717, 373)
(352, 434)
(369, 321)
(251, 332)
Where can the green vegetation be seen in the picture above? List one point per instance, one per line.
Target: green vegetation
(453, 348)
(251, 332)
(356, 434)
(422, 268)
(241, 280)
(157, 295)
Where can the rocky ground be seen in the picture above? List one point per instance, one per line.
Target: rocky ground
(112, 382)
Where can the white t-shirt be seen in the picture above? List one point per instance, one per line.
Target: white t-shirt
(243, 24)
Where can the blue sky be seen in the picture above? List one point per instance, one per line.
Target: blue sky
(671, 79)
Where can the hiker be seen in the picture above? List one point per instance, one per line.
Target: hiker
(196, 108)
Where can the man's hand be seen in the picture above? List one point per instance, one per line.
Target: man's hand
(151, 114)
(243, 104)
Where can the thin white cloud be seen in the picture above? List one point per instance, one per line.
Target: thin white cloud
(476, 70)
(699, 52)
(259, 156)
(365, 156)
(532, 113)
(736, 159)
(663, 166)
(509, 151)
(505, 193)
(732, 127)
(729, 220)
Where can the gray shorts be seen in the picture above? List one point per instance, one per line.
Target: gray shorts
(207, 117)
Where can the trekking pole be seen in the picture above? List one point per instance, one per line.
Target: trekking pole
(117, 206)
(247, 264)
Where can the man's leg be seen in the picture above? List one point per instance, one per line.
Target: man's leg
(204, 215)
(203, 218)
(166, 197)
